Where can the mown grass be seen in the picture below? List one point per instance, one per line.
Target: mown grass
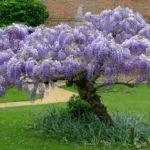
(123, 98)
(15, 135)
(13, 95)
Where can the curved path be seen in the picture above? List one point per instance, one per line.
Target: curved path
(51, 96)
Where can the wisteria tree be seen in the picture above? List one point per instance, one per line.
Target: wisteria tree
(114, 42)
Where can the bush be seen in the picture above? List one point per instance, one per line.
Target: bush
(29, 12)
(89, 129)
(77, 106)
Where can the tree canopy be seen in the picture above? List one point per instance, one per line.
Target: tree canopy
(29, 12)
(116, 41)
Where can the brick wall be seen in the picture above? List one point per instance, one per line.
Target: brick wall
(64, 11)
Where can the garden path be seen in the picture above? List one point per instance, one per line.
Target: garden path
(51, 96)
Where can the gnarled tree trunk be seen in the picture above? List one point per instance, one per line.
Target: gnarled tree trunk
(88, 93)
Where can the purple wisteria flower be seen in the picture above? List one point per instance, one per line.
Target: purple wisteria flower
(122, 23)
(115, 41)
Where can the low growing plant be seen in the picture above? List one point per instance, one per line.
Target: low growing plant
(89, 129)
(77, 106)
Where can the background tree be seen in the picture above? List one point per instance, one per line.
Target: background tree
(29, 12)
(78, 55)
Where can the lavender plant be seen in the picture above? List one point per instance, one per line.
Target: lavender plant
(114, 42)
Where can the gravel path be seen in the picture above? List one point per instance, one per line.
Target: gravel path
(51, 96)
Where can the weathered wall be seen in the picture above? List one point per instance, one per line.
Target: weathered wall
(64, 11)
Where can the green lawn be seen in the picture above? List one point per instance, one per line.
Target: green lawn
(122, 98)
(13, 95)
(14, 134)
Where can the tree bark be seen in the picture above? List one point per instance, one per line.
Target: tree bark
(88, 93)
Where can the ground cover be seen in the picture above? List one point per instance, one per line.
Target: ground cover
(123, 98)
(13, 95)
(14, 134)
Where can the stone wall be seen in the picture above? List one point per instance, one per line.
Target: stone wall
(66, 11)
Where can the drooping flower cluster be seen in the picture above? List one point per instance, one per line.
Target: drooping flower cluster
(137, 45)
(116, 41)
(12, 35)
(122, 23)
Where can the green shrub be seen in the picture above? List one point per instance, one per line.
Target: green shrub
(77, 106)
(89, 129)
(29, 12)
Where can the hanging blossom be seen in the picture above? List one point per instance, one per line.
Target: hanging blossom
(145, 31)
(2, 91)
(122, 23)
(116, 41)
(41, 90)
(137, 45)
(12, 35)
